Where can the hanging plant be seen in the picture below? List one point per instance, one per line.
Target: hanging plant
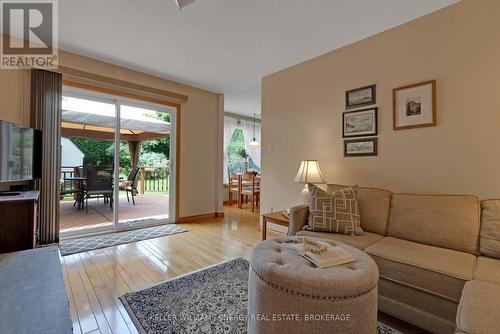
(242, 153)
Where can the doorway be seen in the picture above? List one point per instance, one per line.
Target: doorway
(117, 163)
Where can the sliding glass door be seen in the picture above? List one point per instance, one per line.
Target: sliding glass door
(145, 160)
(117, 162)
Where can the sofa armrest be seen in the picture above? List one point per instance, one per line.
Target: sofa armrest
(478, 308)
(298, 218)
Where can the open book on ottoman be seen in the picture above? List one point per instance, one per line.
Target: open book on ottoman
(322, 254)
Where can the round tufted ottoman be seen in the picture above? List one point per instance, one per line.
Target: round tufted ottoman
(288, 294)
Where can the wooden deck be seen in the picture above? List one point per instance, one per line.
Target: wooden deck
(100, 214)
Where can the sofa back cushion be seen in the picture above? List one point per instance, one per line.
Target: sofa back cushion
(449, 221)
(489, 236)
(373, 207)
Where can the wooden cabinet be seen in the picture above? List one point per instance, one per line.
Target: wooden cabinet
(18, 216)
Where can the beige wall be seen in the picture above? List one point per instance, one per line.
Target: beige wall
(14, 90)
(458, 46)
(200, 180)
(14, 102)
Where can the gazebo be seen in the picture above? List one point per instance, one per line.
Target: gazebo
(80, 121)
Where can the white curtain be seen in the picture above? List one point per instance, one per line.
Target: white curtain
(229, 127)
(248, 134)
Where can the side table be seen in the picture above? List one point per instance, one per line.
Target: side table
(277, 217)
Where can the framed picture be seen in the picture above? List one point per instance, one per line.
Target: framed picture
(360, 123)
(360, 147)
(360, 97)
(414, 106)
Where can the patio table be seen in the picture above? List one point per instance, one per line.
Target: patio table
(80, 195)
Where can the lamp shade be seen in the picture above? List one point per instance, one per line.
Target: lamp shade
(309, 172)
(254, 143)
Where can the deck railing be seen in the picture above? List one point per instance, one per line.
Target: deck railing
(68, 171)
(151, 178)
(154, 179)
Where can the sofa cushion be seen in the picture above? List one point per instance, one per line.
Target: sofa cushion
(478, 309)
(358, 241)
(373, 207)
(436, 270)
(335, 212)
(488, 270)
(450, 221)
(489, 236)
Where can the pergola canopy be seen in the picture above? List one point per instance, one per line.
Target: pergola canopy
(96, 120)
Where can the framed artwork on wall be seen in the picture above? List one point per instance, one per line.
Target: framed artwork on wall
(414, 106)
(360, 97)
(360, 147)
(360, 123)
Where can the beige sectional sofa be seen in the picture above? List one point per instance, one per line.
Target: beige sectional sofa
(428, 247)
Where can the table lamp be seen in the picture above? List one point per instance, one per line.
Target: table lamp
(309, 172)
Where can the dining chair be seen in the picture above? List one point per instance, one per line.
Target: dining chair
(233, 185)
(250, 188)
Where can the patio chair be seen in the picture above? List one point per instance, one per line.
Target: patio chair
(69, 188)
(79, 171)
(130, 186)
(99, 184)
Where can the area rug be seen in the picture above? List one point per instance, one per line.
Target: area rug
(72, 246)
(211, 300)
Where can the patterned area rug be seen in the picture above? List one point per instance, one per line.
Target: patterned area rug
(72, 246)
(211, 300)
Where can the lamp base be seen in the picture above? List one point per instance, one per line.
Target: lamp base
(305, 194)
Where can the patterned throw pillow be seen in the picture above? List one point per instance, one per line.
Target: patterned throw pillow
(335, 212)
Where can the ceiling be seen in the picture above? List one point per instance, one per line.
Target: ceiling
(225, 46)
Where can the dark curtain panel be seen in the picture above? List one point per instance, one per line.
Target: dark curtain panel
(45, 102)
(134, 148)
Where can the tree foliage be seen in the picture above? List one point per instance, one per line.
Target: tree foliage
(96, 152)
(160, 146)
(101, 152)
(236, 154)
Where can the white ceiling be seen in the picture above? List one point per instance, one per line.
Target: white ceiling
(225, 46)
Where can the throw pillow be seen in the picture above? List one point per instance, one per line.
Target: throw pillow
(335, 212)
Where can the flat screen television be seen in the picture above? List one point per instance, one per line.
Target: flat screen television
(18, 152)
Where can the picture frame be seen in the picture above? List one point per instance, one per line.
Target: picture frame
(361, 147)
(414, 106)
(360, 97)
(360, 123)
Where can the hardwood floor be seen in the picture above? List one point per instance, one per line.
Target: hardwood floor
(94, 280)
